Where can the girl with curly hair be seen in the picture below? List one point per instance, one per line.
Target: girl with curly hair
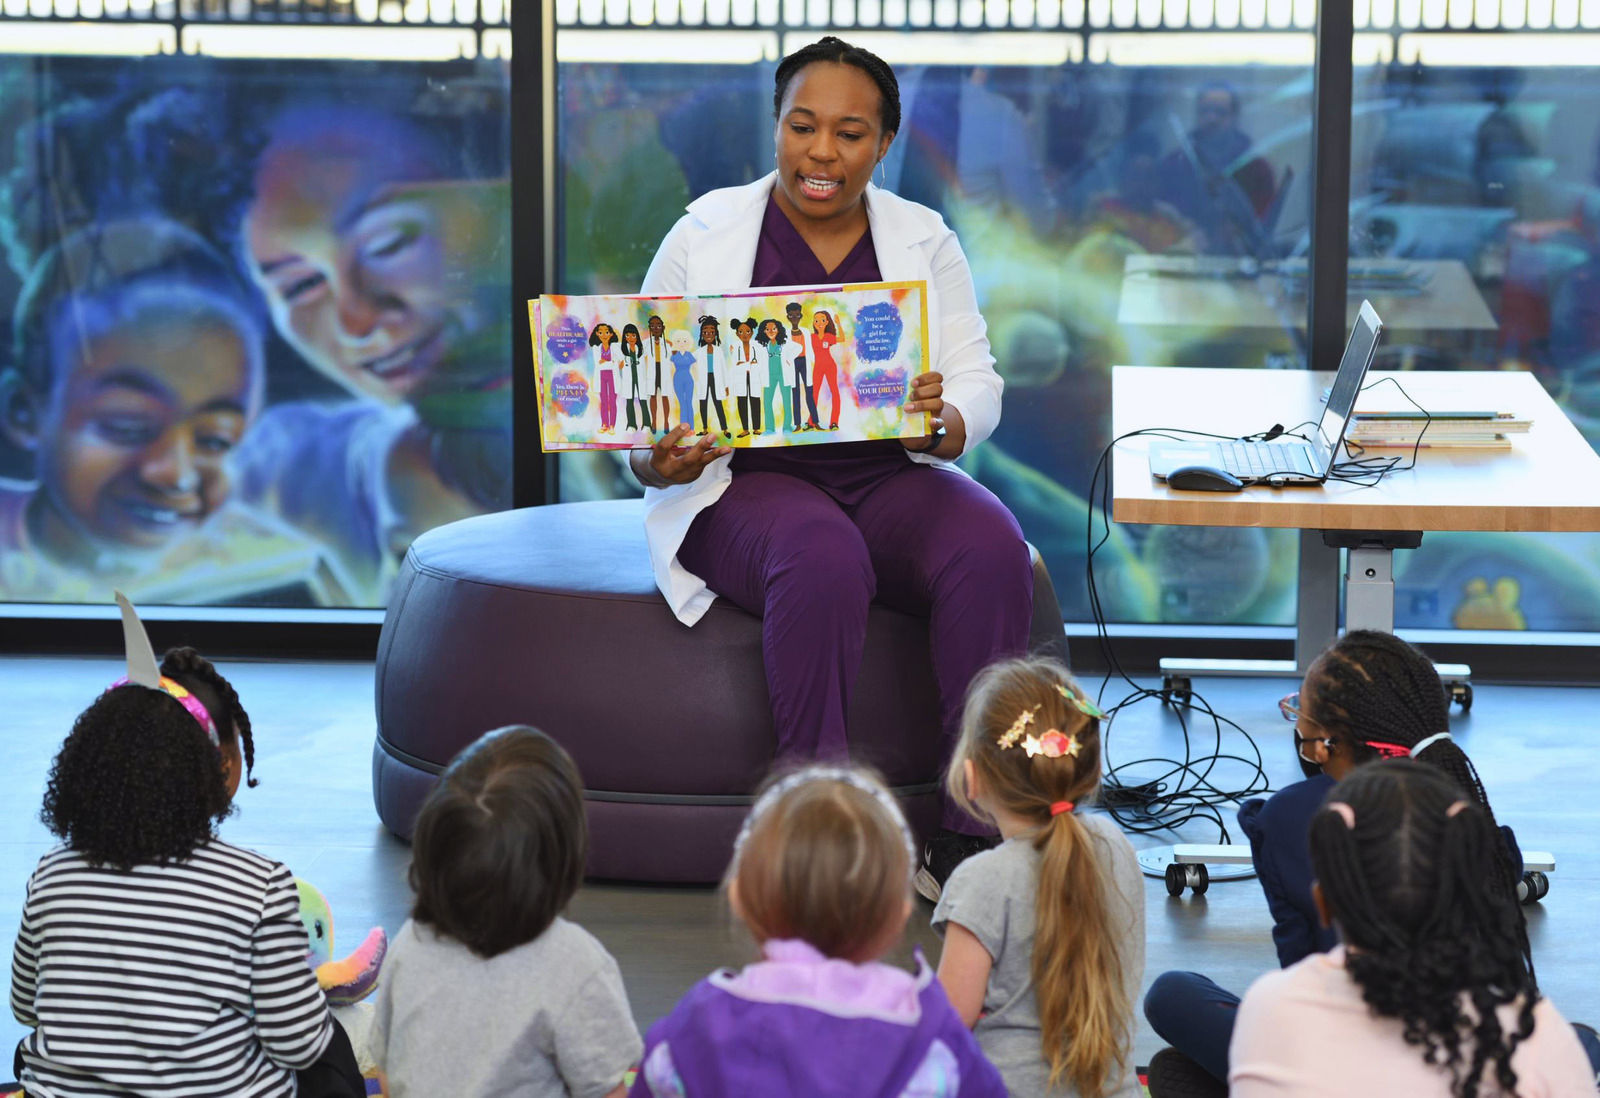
(206, 989)
(1431, 992)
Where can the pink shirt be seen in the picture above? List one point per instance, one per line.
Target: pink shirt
(1305, 1031)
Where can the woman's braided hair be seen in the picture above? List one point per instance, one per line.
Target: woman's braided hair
(201, 677)
(1374, 687)
(840, 52)
(1408, 867)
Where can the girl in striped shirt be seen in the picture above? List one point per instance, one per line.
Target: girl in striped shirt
(154, 958)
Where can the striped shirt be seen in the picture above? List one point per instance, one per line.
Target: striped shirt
(178, 980)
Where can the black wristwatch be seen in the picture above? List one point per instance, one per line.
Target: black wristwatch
(935, 441)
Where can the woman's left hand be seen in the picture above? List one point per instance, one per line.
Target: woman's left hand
(927, 397)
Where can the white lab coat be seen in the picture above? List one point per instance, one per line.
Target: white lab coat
(650, 364)
(706, 364)
(602, 368)
(747, 374)
(712, 250)
(793, 350)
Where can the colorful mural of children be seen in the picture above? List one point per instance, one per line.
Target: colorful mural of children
(780, 372)
(824, 371)
(634, 386)
(136, 371)
(745, 374)
(796, 342)
(376, 233)
(685, 373)
(657, 363)
(707, 385)
(605, 356)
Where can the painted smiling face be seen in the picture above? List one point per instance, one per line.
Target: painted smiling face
(350, 251)
(708, 334)
(140, 421)
(605, 335)
(771, 330)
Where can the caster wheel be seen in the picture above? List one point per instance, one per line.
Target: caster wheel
(1199, 879)
(1533, 887)
(1178, 689)
(1461, 694)
(1175, 879)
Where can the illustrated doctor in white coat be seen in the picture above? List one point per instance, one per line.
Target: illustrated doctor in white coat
(806, 537)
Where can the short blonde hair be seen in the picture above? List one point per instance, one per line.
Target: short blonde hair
(825, 861)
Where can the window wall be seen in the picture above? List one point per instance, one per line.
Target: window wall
(1116, 192)
(254, 298)
(1131, 182)
(1475, 181)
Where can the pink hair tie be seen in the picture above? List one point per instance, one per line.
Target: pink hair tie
(1344, 812)
(1388, 750)
(1457, 808)
(1059, 807)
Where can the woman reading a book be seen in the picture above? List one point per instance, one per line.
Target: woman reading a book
(806, 537)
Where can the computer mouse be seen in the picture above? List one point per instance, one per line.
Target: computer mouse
(1203, 478)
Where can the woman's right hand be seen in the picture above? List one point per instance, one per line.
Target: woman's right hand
(678, 464)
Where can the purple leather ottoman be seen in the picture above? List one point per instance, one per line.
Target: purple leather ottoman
(549, 616)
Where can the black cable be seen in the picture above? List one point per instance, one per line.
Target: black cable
(1184, 791)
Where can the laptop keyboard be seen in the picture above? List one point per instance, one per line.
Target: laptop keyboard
(1254, 459)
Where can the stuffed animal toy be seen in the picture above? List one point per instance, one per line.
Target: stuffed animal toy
(345, 982)
(348, 981)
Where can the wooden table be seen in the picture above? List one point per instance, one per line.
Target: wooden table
(1549, 480)
(1167, 291)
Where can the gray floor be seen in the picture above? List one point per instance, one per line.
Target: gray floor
(313, 810)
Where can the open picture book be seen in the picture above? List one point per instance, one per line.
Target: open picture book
(761, 368)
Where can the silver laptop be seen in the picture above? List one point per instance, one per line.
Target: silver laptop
(1286, 460)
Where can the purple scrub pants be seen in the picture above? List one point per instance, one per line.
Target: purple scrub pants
(922, 541)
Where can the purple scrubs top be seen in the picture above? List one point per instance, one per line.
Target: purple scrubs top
(847, 471)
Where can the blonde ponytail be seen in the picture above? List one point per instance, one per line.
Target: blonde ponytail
(1084, 1009)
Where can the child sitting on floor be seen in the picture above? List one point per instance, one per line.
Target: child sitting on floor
(154, 958)
(1044, 935)
(821, 875)
(1368, 696)
(487, 989)
(1432, 992)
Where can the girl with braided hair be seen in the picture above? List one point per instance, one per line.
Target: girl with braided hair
(807, 538)
(1368, 696)
(200, 677)
(1431, 992)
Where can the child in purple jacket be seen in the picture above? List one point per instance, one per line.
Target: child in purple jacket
(821, 875)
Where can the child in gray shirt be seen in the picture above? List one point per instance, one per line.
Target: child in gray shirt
(1044, 935)
(486, 989)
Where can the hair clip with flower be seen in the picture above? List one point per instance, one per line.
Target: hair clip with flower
(1052, 745)
(1081, 703)
(1010, 736)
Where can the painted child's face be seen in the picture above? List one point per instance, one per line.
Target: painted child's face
(137, 430)
(630, 340)
(680, 341)
(744, 332)
(657, 327)
(794, 314)
(604, 334)
(708, 333)
(771, 330)
(353, 263)
(819, 323)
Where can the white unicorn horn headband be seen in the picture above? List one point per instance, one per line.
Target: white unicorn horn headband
(143, 670)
